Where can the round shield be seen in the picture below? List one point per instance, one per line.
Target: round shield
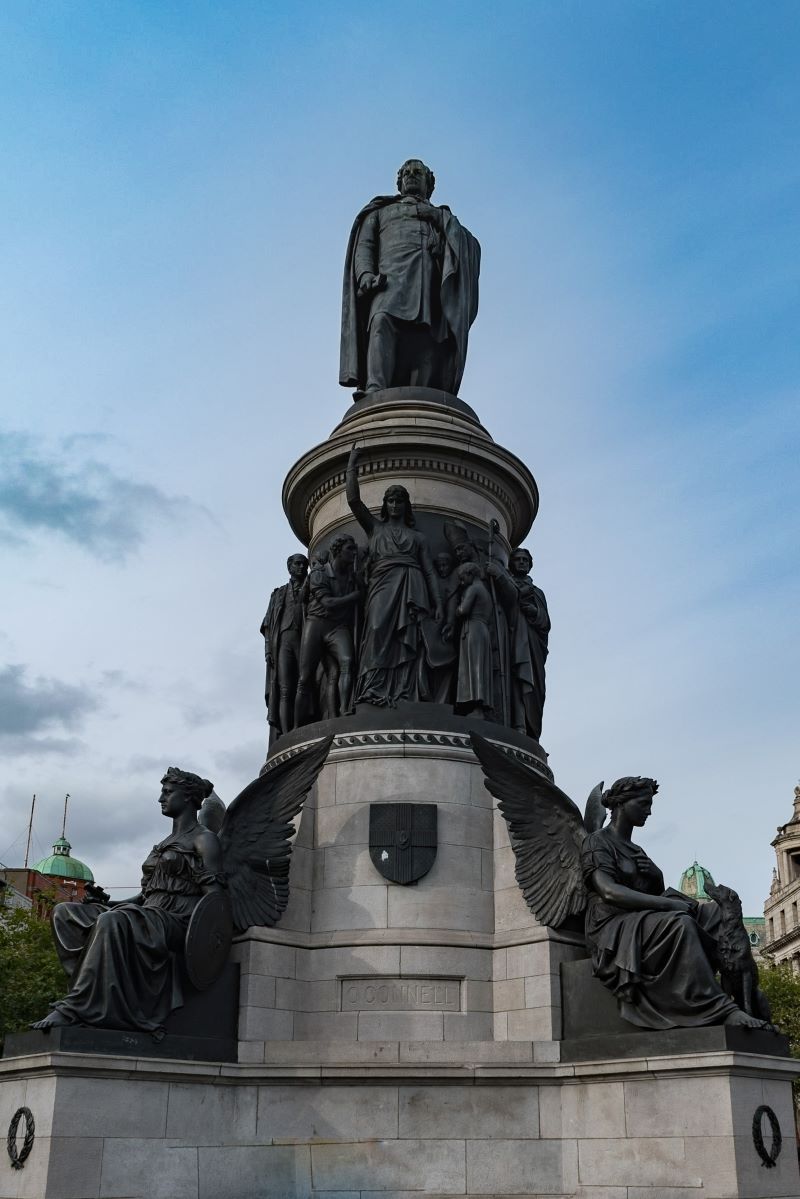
(208, 939)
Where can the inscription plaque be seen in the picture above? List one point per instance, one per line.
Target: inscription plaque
(401, 995)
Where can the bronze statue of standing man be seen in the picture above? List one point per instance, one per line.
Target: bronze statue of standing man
(410, 290)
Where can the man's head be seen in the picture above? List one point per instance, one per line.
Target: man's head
(468, 572)
(415, 179)
(297, 565)
(343, 548)
(443, 564)
(520, 563)
(465, 552)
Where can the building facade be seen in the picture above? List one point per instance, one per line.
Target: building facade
(781, 908)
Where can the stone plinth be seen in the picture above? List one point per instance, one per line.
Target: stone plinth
(456, 956)
(431, 443)
(407, 1119)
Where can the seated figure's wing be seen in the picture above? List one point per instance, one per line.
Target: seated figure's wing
(594, 813)
(256, 836)
(546, 830)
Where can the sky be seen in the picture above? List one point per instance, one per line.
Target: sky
(179, 183)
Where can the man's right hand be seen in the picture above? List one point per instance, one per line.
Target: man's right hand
(368, 283)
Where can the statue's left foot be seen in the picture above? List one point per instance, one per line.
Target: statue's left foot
(741, 1019)
(55, 1019)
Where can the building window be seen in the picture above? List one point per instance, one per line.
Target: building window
(783, 921)
(771, 929)
(794, 915)
(754, 938)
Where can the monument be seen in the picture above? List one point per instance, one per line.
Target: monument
(445, 995)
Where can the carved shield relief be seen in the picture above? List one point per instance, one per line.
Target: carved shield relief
(402, 840)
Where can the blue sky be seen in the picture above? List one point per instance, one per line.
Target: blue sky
(179, 184)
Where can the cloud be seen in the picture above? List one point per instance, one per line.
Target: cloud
(80, 498)
(30, 709)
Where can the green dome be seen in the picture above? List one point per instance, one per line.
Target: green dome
(694, 879)
(61, 865)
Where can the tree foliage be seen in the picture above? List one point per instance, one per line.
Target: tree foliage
(782, 988)
(31, 976)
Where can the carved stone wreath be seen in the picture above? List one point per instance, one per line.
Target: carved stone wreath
(769, 1157)
(20, 1156)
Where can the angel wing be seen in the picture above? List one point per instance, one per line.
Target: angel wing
(546, 829)
(594, 814)
(255, 836)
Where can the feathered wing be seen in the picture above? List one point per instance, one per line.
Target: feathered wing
(594, 813)
(546, 830)
(256, 836)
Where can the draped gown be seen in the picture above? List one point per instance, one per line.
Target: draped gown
(659, 965)
(124, 961)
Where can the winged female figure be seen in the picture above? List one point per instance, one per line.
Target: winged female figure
(125, 959)
(656, 950)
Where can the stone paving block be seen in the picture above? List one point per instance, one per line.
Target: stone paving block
(302, 867)
(470, 1053)
(329, 1113)
(348, 960)
(347, 866)
(509, 1167)
(162, 1171)
(540, 957)
(593, 1110)
(546, 1051)
(456, 866)
(509, 994)
(211, 1114)
(543, 990)
(753, 1177)
(640, 1161)
(468, 1026)
(342, 824)
(250, 1051)
(328, 1053)
(534, 1024)
(504, 868)
(330, 1026)
(109, 1107)
(400, 1026)
(265, 1024)
(463, 826)
(499, 964)
(462, 909)
(446, 961)
(255, 1172)
(698, 1106)
(257, 990)
(341, 908)
(325, 788)
(297, 917)
(302, 996)
(265, 957)
(73, 1171)
(30, 1183)
(470, 1112)
(395, 779)
(424, 1166)
(478, 996)
(511, 913)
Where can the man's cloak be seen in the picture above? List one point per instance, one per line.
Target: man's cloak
(459, 296)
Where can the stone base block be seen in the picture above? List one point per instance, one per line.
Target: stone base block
(400, 1122)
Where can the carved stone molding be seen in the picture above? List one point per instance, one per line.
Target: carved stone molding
(392, 739)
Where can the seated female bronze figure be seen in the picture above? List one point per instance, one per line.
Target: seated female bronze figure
(125, 958)
(655, 949)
